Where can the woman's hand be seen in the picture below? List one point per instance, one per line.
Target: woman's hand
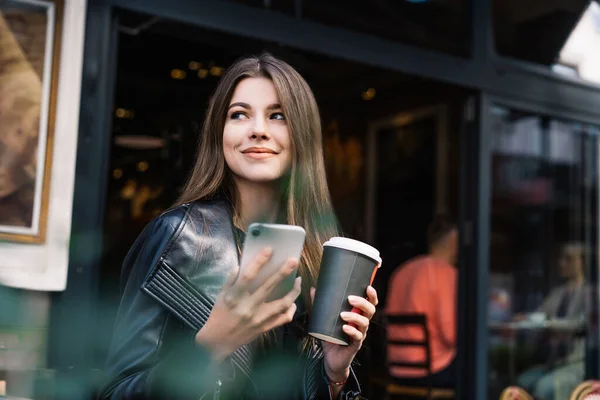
(239, 316)
(338, 357)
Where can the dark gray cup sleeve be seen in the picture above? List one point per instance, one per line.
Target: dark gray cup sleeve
(343, 273)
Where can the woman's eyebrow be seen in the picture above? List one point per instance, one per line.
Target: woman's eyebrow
(240, 104)
(274, 106)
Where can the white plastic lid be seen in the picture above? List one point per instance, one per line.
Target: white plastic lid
(354, 245)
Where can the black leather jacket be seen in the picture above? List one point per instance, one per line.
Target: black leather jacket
(173, 274)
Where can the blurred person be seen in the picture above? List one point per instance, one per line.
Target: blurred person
(260, 158)
(427, 285)
(564, 368)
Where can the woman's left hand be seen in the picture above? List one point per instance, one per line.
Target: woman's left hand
(339, 357)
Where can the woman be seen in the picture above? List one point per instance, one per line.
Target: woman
(187, 325)
(565, 350)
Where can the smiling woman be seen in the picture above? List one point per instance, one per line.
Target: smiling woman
(188, 324)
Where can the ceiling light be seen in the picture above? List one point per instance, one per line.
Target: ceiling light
(140, 142)
(194, 65)
(202, 73)
(124, 113)
(217, 71)
(142, 166)
(178, 74)
(368, 94)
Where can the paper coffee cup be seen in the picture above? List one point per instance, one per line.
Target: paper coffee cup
(348, 267)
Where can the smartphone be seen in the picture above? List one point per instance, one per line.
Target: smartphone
(287, 241)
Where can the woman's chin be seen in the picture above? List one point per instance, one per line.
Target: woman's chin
(261, 179)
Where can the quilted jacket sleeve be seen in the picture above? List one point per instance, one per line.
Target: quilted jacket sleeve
(140, 366)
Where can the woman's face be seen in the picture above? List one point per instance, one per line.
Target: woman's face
(570, 262)
(256, 139)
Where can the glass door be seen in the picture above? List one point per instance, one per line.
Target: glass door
(542, 269)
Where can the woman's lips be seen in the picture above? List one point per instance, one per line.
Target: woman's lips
(259, 153)
(259, 156)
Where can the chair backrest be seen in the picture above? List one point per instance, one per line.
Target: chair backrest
(588, 390)
(377, 340)
(406, 320)
(515, 393)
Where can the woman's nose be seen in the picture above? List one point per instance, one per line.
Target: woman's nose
(259, 130)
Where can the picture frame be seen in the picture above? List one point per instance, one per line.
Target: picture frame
(29, 79)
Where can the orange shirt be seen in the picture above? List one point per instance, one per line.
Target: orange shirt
(423, 285)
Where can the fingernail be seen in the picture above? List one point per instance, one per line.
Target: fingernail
(352, 298)
(344, 314)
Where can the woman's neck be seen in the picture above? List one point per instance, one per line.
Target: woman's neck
(575, 282)
(257, 202)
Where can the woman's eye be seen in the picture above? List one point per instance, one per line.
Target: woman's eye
(278, 116)
(238, 115)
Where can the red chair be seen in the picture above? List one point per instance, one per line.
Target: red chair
(396, 389)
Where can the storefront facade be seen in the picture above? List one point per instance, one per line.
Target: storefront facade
(502, 89)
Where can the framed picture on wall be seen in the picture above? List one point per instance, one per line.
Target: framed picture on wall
(29, 47)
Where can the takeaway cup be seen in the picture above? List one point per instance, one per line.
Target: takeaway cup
(348, 267)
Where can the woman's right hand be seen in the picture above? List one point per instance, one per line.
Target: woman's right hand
(239, 316)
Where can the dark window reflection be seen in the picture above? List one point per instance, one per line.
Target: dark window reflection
(535, 30)
(438, 25)
(405, 188)
(543, 263)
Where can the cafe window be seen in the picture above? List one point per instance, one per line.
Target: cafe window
(543, 251)
(563, 35)
(435, 25)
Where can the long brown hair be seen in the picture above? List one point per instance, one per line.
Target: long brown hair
(304, 191)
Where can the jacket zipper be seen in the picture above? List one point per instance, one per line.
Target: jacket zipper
(217, 392)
